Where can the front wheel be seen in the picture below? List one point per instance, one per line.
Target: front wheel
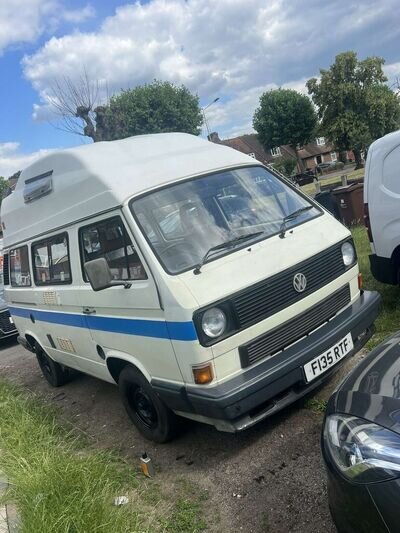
(54, 373)
(145, 408)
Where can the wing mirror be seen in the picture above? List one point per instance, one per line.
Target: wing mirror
(100, 276)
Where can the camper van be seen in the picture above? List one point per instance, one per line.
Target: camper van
(382, 207)
(187, 273)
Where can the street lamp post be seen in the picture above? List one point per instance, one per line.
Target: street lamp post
(203, 109)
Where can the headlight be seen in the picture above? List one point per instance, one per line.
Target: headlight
(348, 253)
(362, 451)
(213, 322)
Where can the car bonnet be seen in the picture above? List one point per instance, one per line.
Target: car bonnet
(372, 389)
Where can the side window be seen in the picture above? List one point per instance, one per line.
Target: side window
(41, 263)
(109, 239)
(51, 265)
(60, 270)
(19, 267)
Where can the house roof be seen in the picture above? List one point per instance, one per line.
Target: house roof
(250, 144)
(312, 149)
(93, 178)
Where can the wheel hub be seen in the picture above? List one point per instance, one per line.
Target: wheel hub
(144, 407)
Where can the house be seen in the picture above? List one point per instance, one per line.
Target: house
(250, 145)
(320, 151)
(312, 154)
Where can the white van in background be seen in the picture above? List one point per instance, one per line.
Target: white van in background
(187, 273)
(382, 207)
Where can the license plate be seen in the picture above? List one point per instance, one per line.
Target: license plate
(323, 362)
(11, 320)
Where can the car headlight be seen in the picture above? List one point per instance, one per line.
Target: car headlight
(348, 253)
(213, 322)
(362, 451)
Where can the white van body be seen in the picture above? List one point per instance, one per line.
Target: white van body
(382, 201)
(289, 305)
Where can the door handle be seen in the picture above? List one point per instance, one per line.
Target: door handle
(89, 311)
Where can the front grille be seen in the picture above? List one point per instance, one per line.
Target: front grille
(277, 292)
(5, 325)
(279, 338)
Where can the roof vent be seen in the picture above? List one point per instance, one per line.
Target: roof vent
(35, 188)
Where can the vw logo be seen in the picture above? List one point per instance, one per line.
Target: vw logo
(299, 282)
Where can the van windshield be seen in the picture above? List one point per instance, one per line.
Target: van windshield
(182, 222)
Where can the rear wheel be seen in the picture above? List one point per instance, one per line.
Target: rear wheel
(145, 408)
(56, 375)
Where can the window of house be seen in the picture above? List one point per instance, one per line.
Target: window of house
(320, 141)
(20, 275)
(333, 156)
(109, 239)
(51, 265)
(252, 154)
(276, 151)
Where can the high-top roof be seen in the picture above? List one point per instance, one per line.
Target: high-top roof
(97, 177)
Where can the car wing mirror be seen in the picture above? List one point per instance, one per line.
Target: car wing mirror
(100, 276)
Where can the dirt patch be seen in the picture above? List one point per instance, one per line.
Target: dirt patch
(268, 479)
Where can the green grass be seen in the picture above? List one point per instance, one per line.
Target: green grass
(335, 180)
(389, 319)
(61, 485)
(318, 406)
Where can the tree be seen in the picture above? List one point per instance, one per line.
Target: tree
(7, 183)
(285, 117)
(354, 104)
(157, 107)
(76, 103)
(286, 165)
(152, 108)
(3, 187)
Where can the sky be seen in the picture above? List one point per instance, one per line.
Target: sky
(233, 50)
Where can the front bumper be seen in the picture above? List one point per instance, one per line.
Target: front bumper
(269, 386)
(355, 510)
(359, 508)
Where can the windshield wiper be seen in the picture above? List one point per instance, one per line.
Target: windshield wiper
(292, 216)
(226, 244)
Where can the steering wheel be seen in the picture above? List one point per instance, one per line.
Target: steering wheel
(179, 255)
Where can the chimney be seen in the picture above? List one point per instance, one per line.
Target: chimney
(214, 138)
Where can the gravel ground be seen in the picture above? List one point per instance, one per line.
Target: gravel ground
(269, 478)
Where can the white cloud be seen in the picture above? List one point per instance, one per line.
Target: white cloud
(7, 148)
(12, 160)
(392, 72)
(234, 49)
(77, 16)
(23, 21)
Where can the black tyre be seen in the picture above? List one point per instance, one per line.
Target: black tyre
(145, 408)
(56, 375)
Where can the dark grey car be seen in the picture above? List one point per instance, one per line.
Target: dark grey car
(7, 326)
(361, 444)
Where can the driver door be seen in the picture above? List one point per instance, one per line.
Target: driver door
(121, 320)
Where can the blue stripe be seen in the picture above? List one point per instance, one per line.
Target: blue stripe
(160, 329)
